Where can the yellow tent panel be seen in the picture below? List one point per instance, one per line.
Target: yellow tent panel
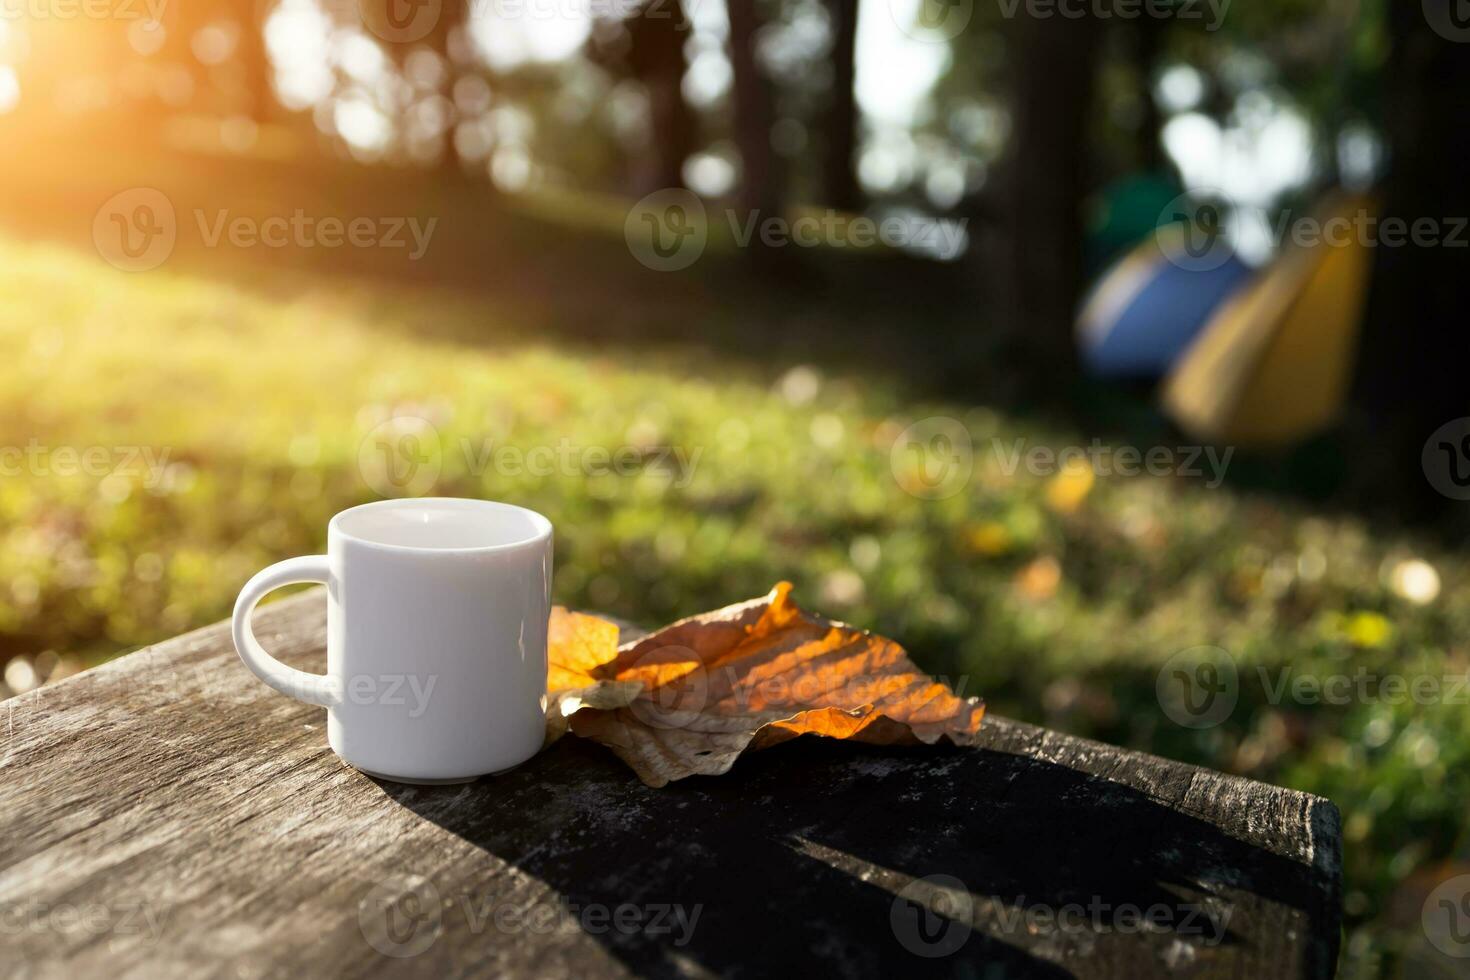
(1274, 365)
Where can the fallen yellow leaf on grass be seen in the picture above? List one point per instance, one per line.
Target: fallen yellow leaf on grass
(690, 698)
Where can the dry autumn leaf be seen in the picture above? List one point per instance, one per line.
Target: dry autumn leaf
(692, 697)
(580, 650)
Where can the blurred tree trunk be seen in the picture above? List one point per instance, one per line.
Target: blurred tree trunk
(1149, 35)
(840, 123)
(254, 59)
(656, 54)
(443, 37)
(1414, 344)
(755, 114)
(1044, 181)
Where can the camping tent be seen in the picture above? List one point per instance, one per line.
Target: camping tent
(1273, 366)
(1146, 310)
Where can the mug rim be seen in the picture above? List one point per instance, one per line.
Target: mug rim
(541, 523)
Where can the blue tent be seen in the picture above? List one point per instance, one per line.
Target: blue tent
(1148, 308)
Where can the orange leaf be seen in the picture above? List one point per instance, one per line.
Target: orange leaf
(692, 697)
(579, 652)
(576, 646)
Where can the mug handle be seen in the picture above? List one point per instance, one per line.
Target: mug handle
(312, 688)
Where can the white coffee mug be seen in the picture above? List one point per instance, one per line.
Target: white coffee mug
(437, 610)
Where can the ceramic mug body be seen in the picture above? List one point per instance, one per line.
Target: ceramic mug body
(437, 612)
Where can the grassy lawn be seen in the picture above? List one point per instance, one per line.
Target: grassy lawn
(680, 479)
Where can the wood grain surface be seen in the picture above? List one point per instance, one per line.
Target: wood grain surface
(166, 815)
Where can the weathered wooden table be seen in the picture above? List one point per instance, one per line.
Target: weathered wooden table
(167, 815)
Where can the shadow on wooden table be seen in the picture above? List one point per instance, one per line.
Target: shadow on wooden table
(857, 861)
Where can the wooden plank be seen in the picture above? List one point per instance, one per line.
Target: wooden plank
(166, 815)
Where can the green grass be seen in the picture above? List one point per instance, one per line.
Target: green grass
(1057, 598)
